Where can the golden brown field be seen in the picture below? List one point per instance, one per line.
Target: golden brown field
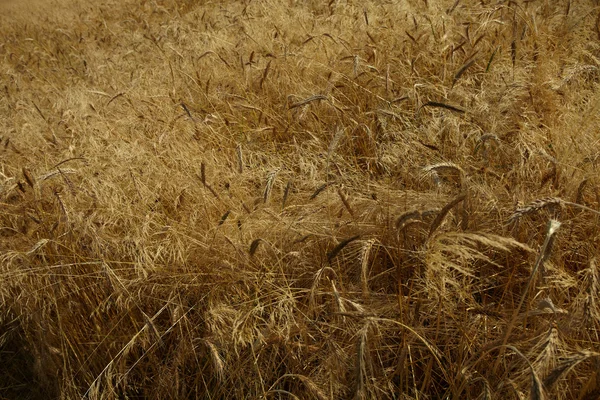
(300, 199)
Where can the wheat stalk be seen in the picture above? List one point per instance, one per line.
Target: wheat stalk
(240, 158)
(445, 210)
(435, 170)
(544, 203)
(269, 185)
(566, 365)
(551, 230)
(308, 100)
(364, 265)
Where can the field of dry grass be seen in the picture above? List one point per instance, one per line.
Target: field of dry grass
(300, 199)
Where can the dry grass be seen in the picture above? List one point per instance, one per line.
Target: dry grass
(294, 200)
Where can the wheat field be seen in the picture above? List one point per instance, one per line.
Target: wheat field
(300, 199)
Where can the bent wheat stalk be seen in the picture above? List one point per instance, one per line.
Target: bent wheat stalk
(545, 251)
(546, 203)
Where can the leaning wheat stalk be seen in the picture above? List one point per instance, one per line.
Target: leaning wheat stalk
(546, 203)
(545, 251)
